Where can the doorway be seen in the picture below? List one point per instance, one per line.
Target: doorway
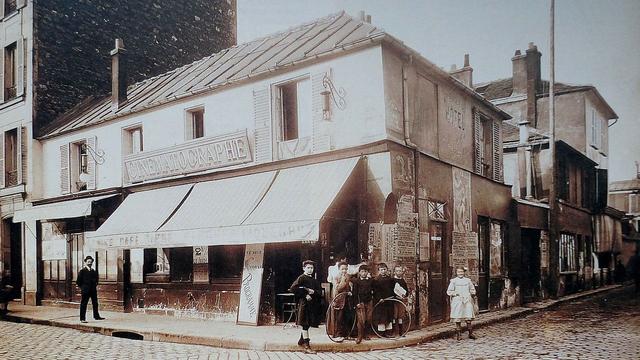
(76, 262)
(437, 280)
(483, 262)
(531, 264)
(13, 259)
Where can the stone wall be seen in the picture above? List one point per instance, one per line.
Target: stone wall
(72, 41)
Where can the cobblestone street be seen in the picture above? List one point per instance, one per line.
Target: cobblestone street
(602, 327)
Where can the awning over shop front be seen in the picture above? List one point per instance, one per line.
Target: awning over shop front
(278, 206)
(60, 210)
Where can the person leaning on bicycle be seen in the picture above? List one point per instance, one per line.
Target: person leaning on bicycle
(383, 286)
(362, 294)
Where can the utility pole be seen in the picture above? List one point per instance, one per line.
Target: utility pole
(553, 248)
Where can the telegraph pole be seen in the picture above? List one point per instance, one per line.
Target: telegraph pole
(553, 248)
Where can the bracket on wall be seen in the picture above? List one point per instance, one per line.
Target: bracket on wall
(332, 93)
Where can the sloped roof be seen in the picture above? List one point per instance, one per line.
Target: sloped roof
(625, 185)
(329, 35)
(334, 32)
(503, 88)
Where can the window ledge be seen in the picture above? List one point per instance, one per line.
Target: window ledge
(12, 102)
(16, 189)
(11, 14)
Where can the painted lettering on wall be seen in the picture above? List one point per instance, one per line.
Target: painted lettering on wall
(454, 111)
(202, 154)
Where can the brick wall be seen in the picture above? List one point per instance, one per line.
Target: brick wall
(72, 40)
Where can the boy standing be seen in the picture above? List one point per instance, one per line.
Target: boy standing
(340, 285)
(307, 292)
(362, 291)
(401, 291)
(383, 286)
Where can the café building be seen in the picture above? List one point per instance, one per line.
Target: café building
(201, 191)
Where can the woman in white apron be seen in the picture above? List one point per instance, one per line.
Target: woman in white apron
(461, 290)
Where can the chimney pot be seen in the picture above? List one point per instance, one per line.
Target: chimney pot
(532, 46)
(361, 15)
(118, 76)
(518, 53)
(368, 19)
(466, 60)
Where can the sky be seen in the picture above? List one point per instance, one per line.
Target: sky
(597, 43)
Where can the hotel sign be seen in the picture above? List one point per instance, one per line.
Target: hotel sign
(193, 156)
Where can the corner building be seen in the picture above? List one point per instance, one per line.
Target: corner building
(332, 139)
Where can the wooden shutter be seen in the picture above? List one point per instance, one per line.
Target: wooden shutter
(65, 183)
(321, 138)
(188, 126)
(20, 48)
(477, 147)
(262, 118)
(91, 162)
(23, 144)
(496, 130)
(2, 173)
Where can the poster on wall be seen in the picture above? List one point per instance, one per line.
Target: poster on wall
(464, 252)
(54, 242)
(251, 284)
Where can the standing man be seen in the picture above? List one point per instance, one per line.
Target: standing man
(88, 282)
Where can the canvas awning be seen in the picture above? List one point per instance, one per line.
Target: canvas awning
(277, 206)
(60, 210)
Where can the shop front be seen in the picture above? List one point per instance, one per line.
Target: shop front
(225, 249)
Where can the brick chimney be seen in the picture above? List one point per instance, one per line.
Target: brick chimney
(464, 74)
(118, 76)
(527, 79)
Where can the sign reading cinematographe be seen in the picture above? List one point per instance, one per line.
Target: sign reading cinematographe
(193, 156)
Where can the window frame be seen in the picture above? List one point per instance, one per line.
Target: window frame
(78, 152)
(13, 155)
(10, 71)
(281, 117)
(191, 125)
(214, 254)
(567, 249)
(128, 139)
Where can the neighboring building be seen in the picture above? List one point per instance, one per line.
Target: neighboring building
(582, 121)
(56, 53)
(331, 139)
(625, 196)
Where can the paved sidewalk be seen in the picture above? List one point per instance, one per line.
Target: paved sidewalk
(268, 338)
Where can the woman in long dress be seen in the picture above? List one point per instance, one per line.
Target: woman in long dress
(461, 290)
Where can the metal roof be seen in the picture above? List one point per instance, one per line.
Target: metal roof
(333, 34)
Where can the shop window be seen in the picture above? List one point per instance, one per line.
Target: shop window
(496, 242)
(10, 71)
(181, 264)
(107, 264)
(295, 110)
(133, 140)
(195, 124)
(11, 157)
(54, 269)
(567, 253)
(225, 262)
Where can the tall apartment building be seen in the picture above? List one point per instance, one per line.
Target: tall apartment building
(56, 54)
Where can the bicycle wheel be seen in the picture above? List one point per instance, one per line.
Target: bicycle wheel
(406, 317)
(340, 298)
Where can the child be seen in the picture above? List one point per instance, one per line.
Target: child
(383, 286)
(337, 315)
(399, 309)
(461, 289)
(307, 292)
(362, 292)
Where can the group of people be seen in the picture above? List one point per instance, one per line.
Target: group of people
(360, 293)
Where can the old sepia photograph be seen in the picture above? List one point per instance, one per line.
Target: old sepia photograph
(319, 179)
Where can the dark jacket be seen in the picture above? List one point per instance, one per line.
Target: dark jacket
(383, 287)
(362, 290)
(87, 280)
(308, 311)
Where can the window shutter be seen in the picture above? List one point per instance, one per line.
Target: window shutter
(23, 144)
(21, 3)
(65, 183)
(2, 173)
(91, 162)
(321, 138)
(20, 74)
(262, 117)
(188, 126)
(2, 53)
(477, 147)
(2, 13)
(496, 129)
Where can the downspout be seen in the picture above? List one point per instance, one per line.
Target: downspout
(414, 147)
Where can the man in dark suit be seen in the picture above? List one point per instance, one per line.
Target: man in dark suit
(88, 282)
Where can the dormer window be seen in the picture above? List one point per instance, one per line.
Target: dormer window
(194, 128)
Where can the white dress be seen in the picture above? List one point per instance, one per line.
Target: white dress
(460, 290)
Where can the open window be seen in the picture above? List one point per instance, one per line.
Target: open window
(10, 71)
(132, 140)
(295, 110)
(194, 127)
(11, 157)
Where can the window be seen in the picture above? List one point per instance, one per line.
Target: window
(181, 264)
(634, 203)
(295, 114)
(195, 124)
(133, 142)
(11, 157)
(487, 147)
(567, 253)
(79, 162)
(10, 6)
(10, 72)
(107, 264)
(225, 262)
